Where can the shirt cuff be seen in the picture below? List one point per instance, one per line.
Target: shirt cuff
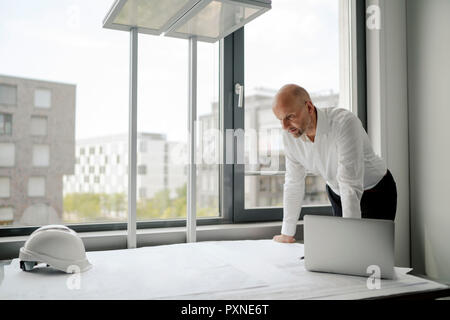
(289, 229)
(351, 207)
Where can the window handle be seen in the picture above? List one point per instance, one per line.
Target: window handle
(239, 90)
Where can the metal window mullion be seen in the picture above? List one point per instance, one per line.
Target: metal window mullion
(361, 64)
(238, 122)
(226, 97)
(192, 172)
(132, 141)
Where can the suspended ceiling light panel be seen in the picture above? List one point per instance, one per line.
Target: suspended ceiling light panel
(208, 20)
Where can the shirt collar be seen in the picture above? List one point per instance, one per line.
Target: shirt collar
(322, 122)
(322, 125)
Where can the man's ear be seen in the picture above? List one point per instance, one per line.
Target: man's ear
(310, 107)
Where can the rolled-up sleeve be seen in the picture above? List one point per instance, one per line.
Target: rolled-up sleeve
(350, 170)
(293, 193)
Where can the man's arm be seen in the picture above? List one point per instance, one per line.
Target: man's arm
(350, 171)
(293, 194)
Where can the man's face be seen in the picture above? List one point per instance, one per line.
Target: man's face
(294, 116)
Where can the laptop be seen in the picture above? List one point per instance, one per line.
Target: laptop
(361, 247)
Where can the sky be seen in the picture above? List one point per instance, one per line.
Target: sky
(63, 41)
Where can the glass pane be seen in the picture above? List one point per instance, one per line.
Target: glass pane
(208, 137)
(36, 187)
(4, 187)
(8, 94)
(41, 155)
(163, 130)
(71, 80)
(42, 98)
(7, 155)
(5, 124)
(294, 42)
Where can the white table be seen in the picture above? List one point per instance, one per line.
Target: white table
(251, 269)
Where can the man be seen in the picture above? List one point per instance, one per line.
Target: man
(330, 142)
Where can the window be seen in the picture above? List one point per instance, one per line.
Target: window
(7, 154)
(163, 125)
(4, 187)
(6, 216)
(143, 146)
(8, 95)
(164, 151)
(70, 96)
(142, 192)
(5, 124)
(142, 169)
(38, 126)
(306, 22)
(36, 187)
(208, 173)
(86, 101)
(271, 60)
(42, 98)
(41, 155)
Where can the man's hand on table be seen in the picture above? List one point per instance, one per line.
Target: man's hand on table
(284, 238)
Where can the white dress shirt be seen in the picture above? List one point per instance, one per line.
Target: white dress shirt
(341, 153)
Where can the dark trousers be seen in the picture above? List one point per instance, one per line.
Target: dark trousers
(380, 202)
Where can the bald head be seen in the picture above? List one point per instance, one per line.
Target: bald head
(293, 107)
(291, 94)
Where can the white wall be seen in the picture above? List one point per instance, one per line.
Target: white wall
(428, 27)
(387, 111)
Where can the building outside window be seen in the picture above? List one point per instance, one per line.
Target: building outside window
(7, 154)
(142, 193)
(142, 169)
(36, 187)
(41, 155)
(5, 124)
(8, 94)
(42, 98)
(5, 187)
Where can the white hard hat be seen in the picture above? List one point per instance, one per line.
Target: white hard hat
(56, 245)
